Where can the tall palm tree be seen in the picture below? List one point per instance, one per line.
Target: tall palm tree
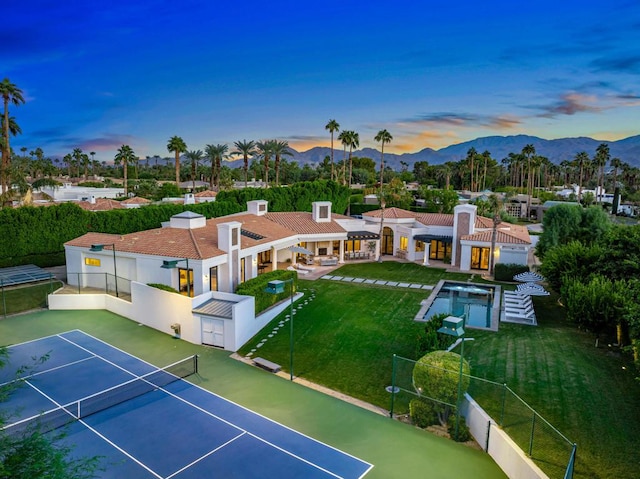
(383, 137)
(10, 94)
(216, 153)
(600, 160)
(264, 149)
(495, 206)
(354, 142)
(616, 163)
(177, 146)
(332, 126)
(124, 157)
(93, 163)
(471, 156)
(194, 156)
(279, 149)
(343, 137)
(245, 148)
(581, 159)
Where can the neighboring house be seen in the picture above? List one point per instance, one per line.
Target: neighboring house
(100, 204)
(206, 196)
(69, 192)
(135, 202)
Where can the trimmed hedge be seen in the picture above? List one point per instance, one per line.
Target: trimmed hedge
(256, 287)
(163, 287)
(359, 208)
(422, 413)
(506, 272)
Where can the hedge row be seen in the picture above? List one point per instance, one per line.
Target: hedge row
(506, 271)
(36, 235)
(256, 287)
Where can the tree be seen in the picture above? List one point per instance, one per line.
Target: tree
(10, 94)
(344, 139)
(438, 201)
(352, 140)
(216, 153)
(600, 161)
(332, 126)
(124, 157)
(435, 377)
(194, 156)
(177, 146)
(279, 148)
(245, 148)
(264, 149)
(495, 208)
(471, 156)
(383, 137)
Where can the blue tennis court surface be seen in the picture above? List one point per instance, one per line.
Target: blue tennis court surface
(166, 428)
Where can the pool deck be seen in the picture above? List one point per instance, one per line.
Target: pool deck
(495, 307)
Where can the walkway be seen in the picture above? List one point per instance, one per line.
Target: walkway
(380, 282)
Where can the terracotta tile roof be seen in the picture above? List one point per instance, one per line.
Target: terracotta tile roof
(483, 222)
(435, 219)
(136, 200)
(391, 213)
(269, 230)
(101, 204)
(206, 194)
(302, 223)
(506, 234)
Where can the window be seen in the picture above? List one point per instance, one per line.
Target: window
(480, 258)
(404, 243)
(439, 250)
(235, 233)
(262, 207)
(213, 278)
(336, 247)
(352, 245)
(186, 281)
(419, 245)
(243, 271)
(92, 261)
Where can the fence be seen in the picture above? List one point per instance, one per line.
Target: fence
(551, 451)
(91, 283)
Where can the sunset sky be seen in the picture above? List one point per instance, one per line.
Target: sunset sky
(97, 75)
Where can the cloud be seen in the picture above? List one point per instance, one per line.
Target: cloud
(448, 120)
(570, 104)
(105, 143)
(629, 63)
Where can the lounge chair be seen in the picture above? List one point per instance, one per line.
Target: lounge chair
(517, 303)
(299, 271)
(522, 312)
(302, 267)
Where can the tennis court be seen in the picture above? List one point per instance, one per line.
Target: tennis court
(149, 423)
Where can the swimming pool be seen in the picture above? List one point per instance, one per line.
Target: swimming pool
(473, 302)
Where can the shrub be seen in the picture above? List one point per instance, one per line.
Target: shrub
(255, 287)
(506, 271)
(163, 287)
(429, 339)
(422, 413)
(464, 434)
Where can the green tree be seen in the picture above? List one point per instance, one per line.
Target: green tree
(600, 160)
(435, 377)
(194, 156)
(573, 260)
(265, 149)
(279, 149)
(438, 201)
(10, 94)
(245, 148)
(177, 146)
(332, 126)
(561, 225)
(124, 157)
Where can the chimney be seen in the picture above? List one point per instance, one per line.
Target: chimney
(321, 211)
(257, 207)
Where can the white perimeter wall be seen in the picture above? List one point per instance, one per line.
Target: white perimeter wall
(507, 454)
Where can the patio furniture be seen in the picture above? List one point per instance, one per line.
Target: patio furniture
(329, 261)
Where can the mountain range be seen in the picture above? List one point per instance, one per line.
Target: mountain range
(628, 150)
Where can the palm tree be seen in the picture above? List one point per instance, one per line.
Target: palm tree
(264, 149)
(10, 94)
(344, 139)
(352, 140)
(279, 148)
(495, 206)
(177, 145)
(93, 163)
(124, 156)
(471, 156)
(216, 153)
(581, 159)
(332, 126)
(383, 137)
(245, 148)
(600, 160)
(194, 156)
(616, 163)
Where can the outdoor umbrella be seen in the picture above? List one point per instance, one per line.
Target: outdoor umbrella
(531, 289)
(299, 249)
(529, 277)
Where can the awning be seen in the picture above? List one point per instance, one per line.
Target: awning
(299, 249)
(428, 238)
(362, 235)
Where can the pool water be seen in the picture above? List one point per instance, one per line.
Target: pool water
(473, 303)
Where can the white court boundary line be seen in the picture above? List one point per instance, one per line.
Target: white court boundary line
(209, 413)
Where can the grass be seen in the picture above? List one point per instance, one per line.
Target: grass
(395, 449)
(346, 337)
(26, 298)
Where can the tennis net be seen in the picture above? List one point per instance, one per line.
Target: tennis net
(138, 386)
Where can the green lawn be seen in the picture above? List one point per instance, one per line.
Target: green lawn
(394, 271)
(26, 297)
(395, 449)
(346, 337)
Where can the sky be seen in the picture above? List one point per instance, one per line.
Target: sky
(96, 75)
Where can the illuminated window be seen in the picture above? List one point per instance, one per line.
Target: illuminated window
(404, 243)
(92, 261)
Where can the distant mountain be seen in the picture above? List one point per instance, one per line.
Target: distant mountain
(628, 150)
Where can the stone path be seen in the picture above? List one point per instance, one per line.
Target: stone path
(382, 282)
